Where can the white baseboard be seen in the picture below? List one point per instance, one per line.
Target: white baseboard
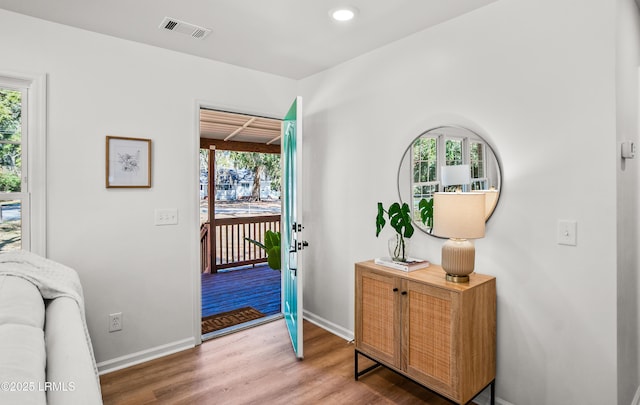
(337, 330)
(636, 398)
(132, 359)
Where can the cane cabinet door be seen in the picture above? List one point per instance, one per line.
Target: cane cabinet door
(428, 335)
(378, 316)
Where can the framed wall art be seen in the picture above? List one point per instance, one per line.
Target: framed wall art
(128, 162)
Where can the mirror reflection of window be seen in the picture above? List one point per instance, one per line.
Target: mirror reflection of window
(477, 161)
(432, 163)
(427, 163)
(454, 156)
(425, 170)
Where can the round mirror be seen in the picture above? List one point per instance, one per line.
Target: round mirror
(447, 158)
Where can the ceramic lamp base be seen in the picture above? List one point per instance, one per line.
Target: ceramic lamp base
(458, 259)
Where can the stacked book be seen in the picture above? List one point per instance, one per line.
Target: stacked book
(410, 265)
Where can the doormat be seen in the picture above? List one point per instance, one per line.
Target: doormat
(226, 319)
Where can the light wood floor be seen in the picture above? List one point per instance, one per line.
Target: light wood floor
(257, 366)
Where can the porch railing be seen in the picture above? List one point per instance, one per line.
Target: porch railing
(205, 248)
(231, 249)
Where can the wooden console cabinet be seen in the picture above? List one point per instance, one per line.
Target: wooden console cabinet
(440, 334)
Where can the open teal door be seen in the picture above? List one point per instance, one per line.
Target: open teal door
(291, 224)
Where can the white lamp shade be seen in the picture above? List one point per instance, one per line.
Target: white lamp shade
(459, 215)
(455, 175)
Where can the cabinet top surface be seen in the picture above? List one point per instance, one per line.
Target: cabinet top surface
(434, 275)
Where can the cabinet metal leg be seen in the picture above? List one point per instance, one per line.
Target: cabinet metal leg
(492, 386)
(355, 368)
(358, 373)
(493, 392)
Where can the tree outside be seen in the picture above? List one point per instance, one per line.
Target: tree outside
(262, 165)
(240, 188)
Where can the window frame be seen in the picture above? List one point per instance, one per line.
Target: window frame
(33, 169)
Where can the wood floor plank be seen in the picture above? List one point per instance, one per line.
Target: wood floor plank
(257, 366)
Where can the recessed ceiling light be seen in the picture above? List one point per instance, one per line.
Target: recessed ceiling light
(343, 14)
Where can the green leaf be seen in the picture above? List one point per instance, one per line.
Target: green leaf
(255, 242)
(408, 230)
(271, 239)
(273, 258)
(426, 211)
(399, 219)
(380, 221)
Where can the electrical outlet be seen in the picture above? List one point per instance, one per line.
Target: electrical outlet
(167, 216)
(115, 322)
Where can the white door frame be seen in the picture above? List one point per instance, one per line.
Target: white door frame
(195, 248)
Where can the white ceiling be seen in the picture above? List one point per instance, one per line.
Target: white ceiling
(291, 38)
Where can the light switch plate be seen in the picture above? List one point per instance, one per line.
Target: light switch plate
(166, 216)
(567, 233)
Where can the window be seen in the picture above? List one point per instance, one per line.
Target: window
(13, 199)
(22, 164)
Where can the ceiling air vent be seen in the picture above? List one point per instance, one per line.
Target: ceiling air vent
(182, 27)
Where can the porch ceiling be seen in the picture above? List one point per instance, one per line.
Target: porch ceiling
(233, 128)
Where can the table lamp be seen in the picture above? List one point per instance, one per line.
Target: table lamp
(456, 175)
(460, 217)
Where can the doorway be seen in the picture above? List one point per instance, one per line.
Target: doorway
(239, 206)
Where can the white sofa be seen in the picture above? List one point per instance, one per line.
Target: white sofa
(46, 355)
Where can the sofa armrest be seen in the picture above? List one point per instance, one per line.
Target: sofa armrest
(70, 367)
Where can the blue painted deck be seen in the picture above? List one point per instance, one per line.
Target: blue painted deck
(257, 287)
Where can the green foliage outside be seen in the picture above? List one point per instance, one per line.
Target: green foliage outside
(10, 137)
(9, 182)
(259, 163)
(453, 152)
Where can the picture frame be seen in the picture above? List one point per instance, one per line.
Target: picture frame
(128, 162)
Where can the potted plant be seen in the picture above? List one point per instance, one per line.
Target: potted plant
(272, 246)
(400, 220)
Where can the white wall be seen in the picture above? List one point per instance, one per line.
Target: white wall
(538, 78)
(627, 71)
(98, 86)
